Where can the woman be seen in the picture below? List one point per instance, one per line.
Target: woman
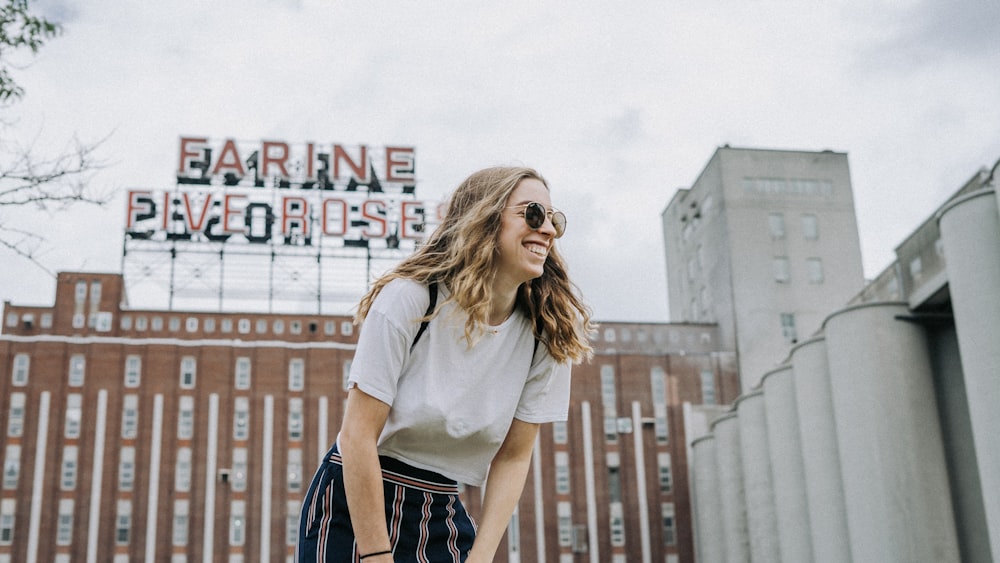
(465, 348)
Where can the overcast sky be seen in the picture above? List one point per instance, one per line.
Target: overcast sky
(617, 103)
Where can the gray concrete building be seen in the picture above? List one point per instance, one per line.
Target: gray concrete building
(891, 405)
(765, 244)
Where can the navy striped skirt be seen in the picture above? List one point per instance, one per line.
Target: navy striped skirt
(426, 520)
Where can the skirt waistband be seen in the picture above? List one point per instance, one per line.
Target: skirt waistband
(400, 473)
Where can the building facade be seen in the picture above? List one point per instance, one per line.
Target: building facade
(764, 243)
(158, 435)
(876, 438)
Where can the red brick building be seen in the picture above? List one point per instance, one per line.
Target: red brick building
(152, 435)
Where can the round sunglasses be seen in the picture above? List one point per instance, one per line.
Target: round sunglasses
(534, 215)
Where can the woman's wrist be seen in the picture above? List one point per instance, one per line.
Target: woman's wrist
(375, 554)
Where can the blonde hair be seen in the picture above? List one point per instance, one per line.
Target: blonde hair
(462, 253)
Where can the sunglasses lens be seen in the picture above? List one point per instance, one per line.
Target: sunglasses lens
(559, 223)
(534, 215)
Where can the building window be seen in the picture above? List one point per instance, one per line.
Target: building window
(74, 415)
(278, 327)
(180, 531)
(46, 320)
(126, 322)
(130, 417)
(810, 226)
(238, 477)
(182, 470)
(345, 372)
(565, 516)
(292, 522)
(126, 469)
(295, 327)
(141, 324)
(295, 419)
(559, 433)
(243, 326)
(188, 368)
(782, 272)
(609, 399)
(7, 507)
(617, 521)
(916, 268)
(133, 370)
(64, 522)
(614, 477)
(666, 476)
(11, 466)
(77, 365)
(296, 374)
(669, 523)
(788, 328)
(80, 296)
(11, 320)
(776, 224)
(67, 475)
(241, 418)
(330, 328)
(157, 324)
(562, 473)
(346, 328)
(174, 324)
(123, 522)
(19, 375)
(15, 418)
(658, 385)
(237, 523)
(185, 418)
(261, 326)
(191, 324)
(242, 372)
(708, 387)
(295, 470)
(209, 325)
(814, 266)
(226, 325)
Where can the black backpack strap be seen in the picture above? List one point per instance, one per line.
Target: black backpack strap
(432, 288)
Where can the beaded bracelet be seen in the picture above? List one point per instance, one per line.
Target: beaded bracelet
(375, 553)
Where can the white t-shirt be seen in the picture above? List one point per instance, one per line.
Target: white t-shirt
(452, 405)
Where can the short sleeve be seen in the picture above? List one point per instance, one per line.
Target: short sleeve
(383, 343)
(545, 397)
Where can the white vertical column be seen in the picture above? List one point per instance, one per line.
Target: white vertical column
(970, 232)
(640, 481)
(267, 473)
(536, 476)
(211, 464)
(324, 423)
(38, 479)
(891, 455)
(100, 427)
(153, 499)
(593, 545)
(785, 446)
(733, 500)
(762, 525)
(709, 539)
(820, 453)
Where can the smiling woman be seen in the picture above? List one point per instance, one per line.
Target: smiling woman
(483, 309)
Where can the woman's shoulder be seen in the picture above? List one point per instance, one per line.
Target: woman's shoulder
(402, 296)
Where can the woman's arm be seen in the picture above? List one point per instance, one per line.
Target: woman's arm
(503, 489)
(363, 421)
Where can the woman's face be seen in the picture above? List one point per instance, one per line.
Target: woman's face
(522, 249)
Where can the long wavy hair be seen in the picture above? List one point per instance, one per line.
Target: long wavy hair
(463, 254)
